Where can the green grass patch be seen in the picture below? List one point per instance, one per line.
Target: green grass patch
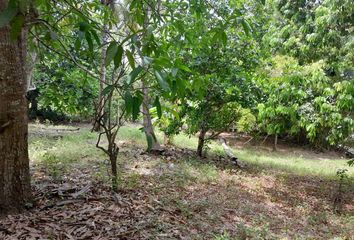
(70, 148)
(60, 153)
(274, 160)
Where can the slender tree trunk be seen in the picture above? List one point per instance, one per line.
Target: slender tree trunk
(275, 142)
(15, 190)
(32, 58)
(147, 123)
(153, 144)
(167, 139)
(201, 141)
(113, 159)
(103, 71)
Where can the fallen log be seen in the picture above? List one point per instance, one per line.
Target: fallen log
(230, 154)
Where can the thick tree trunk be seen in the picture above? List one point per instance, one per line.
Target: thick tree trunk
(201, 140)
(147, 123)
(15, 190)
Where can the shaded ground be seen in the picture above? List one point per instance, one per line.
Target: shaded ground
(175, 196)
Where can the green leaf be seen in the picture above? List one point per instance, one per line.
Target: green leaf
(8, 14)
(134, 74)
(162, 62)
(118, 57)
(128, 99)
(83, 26)
(111, 52)
(130, 58)
(16, 26)
(89, 41)
(351, 163)
(108, 89)
(184, 68)
(164, 85)
(223, 37)
(77, 44)
(246, 27)
(137, 100)
(95, 36)
(158, 106)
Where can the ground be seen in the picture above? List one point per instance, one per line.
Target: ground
(278, 195)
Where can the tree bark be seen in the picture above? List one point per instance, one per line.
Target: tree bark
(15, 190)
(103, 70)
(275, 142)
(147, 123)
(113, 159)
(201, 140)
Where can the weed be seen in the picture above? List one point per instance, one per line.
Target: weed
(250, 232)
(184, 208)
(318, 218)
(53, 166)
(224, 236)
(130, 181)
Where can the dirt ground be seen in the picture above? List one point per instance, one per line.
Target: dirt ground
(178, 196)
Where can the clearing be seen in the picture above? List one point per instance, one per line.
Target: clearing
(284, 195)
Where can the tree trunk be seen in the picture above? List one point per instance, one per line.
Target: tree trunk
(103, 71)
(201, 140)
(167, 139)
(275, 142)
(147, 123)
(153, 144)
(113, 159)
(15, 190)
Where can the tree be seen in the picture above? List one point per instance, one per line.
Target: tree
(302, 102)
(62, 90)
(15, 190)
(16, 20)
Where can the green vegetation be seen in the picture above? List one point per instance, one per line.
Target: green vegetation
(70, 149)
(178, 119)
(201, 192)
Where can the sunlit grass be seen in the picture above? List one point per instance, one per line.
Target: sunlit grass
(72, 147)
(274, 160)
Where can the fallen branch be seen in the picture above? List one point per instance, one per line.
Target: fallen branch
(230, 154)
(249, 140)
(67, 129)
(62, 203)
(82, 191)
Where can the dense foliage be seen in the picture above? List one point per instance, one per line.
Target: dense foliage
(281, 68)
(303, 101)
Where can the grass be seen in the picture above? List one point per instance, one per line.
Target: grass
(258, 158)
(59, 153)
(75, 146)
(274, 160)
(276, 197)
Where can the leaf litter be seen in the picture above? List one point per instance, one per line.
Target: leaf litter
(167, 203)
